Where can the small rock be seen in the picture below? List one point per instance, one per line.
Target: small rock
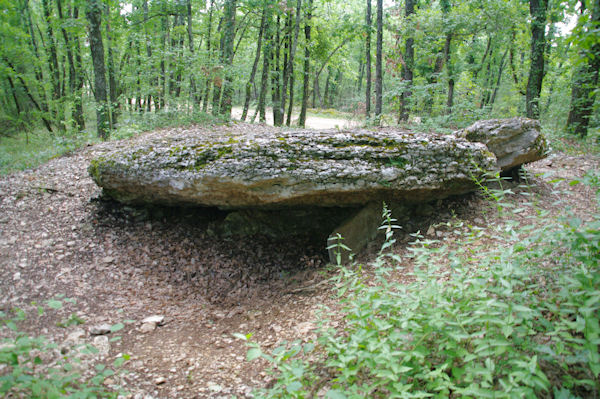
(147, 327)
(304, 328)
(75, 336)
(100, 329)
(101, 343)
(108, 259)
(430, 231)
(156, 319)
(17, 276)
(160, 380)
(479, 221)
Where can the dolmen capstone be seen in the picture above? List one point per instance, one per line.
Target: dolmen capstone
(275, 170)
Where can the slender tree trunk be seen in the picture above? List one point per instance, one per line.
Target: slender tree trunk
(208, 40)
(261, 30)
(585, 84)
(306, 71)
(291, 61)
(538, 48)
(409, 56)
(227, 57)
(53, 67)
(73, 72)
(112, 81)
(264, 81)
(94, 15)
(379, 63)
(35, 103)
(368, 61)
(276, 77)
(196, 98)
(499, 77)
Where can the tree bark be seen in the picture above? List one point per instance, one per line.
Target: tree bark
(585, 84)
(538, 48)
(227, 57)
(208, 40)
(306, 71)
(409, 55)
(190, 33)
(276, 77)
(112, 81)
(379, 63)
(94, 16)
(261, 30)
(73, 74)
(368, 60)
(291, 61)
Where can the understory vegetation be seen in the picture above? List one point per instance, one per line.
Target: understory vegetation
(511, 311)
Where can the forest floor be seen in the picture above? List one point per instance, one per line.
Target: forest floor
(123, 264)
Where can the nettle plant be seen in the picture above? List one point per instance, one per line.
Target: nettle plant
(32, 366)
(516, 317)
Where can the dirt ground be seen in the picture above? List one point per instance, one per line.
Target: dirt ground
(121, 264)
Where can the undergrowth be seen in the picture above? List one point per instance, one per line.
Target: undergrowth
(519, 318)
(33, 366)
(25, 150)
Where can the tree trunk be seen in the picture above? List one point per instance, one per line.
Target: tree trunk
(94, 15)
(261, 30)
(585, 83)
(73, 73)
(227, 57)
(538, 47)
(276, 78)
(208, 40)
(368, 61)
(190, 33)
(379, 63)
(53, 68)
(112, 81)
(306, 71)
(409, 56)
(499, 78)
(264, 81)
(291, 60)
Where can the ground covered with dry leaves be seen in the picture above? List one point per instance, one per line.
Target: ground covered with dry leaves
(59, 236)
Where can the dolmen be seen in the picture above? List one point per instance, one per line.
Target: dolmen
(297, 169)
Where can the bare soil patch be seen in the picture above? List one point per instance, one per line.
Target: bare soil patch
(122, 264)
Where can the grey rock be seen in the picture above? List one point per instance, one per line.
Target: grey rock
(290, 169)
(148, 327)
(513, 141)
(101, 343)
(155, 319)
(100, 329)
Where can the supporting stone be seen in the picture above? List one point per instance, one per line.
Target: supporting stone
(356, 232)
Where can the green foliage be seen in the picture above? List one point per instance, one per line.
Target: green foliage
(27, 372)
(516, 321)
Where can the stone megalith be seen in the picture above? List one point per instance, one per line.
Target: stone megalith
(514, 141)
(283, 169)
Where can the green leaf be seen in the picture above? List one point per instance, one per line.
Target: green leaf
(253, 353)
(335, 394)
(54, 304)
(293, 386)
(116, 327)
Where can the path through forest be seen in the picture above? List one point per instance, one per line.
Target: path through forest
(312, 121)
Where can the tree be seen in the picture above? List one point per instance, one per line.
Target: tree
(368, 60)
(378, 64)
(585, 76)
(306, 71)
(538, 48)
(94, 16)
(409, 57)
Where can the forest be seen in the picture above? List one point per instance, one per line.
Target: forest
(68, 65)
(490, 292)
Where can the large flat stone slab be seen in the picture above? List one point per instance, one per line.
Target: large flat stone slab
(295, 168)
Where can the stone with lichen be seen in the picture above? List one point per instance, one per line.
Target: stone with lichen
(290, 169)
(514, 141)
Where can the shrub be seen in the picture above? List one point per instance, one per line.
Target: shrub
(516, 320)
